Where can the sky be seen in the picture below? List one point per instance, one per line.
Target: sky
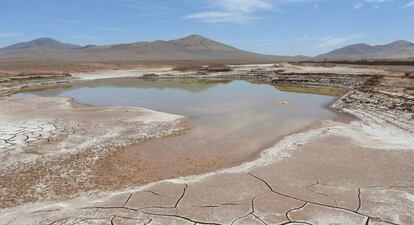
(282, 27)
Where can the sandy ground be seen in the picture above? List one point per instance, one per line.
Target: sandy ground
(336, 173)
(124, 73)
(15, 78)
(336, 69)
(50, 147)
(237, 70)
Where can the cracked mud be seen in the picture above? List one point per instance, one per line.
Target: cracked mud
(337, 173)
(301, 188)
(40, 150)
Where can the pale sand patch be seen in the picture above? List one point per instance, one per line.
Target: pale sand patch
(122, 73)
(337, 69)
(50, 146)
(236, 71)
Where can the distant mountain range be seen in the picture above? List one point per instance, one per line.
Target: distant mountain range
(191, 48)
(395, 50)
(45, 43)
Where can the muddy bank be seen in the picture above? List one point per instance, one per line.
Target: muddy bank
(384, 97)
(49, 147)
(393, 108)
(357, 173)
(334, 174)
(22, 82)
(348, 81)
(382, 92)
(228, 135)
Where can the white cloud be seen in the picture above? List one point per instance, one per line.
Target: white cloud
(232, 11)
(336, 41)
(238, 11)
(361, 3)
(409, 4)
(244, 6)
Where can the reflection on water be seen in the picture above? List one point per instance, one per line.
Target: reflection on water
(233, 119)
(329, 91)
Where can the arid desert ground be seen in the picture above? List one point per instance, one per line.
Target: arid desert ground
(64, 162)
(207, 112)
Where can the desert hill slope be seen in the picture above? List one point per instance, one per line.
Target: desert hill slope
(193, 48)
(45, 43)
(395, 50)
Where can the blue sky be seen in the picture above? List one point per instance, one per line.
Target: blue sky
(287, 27)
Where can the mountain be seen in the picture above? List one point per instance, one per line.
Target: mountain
(395, 50)
(44, 43)
(191, 48)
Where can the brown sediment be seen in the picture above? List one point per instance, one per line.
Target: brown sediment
(128, 167)
(330, 91)
(26, 82)
(51, 144)
(122, 167)
(332, 179)
(134, 166)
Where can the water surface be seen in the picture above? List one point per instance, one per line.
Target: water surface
(230, 121)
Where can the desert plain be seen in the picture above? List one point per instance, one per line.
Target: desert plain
(59, 156)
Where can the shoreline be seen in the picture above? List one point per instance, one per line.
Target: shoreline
(198, 170)
(287, 146)
(73, 137)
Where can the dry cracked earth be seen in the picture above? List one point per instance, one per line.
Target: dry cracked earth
(336, 173)
(50, 147)
(321, 176)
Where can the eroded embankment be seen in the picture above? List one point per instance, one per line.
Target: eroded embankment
(23, 82)
(390, 99)
(332, 174)
(335, 174)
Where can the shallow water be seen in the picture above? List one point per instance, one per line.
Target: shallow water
(230, 120)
